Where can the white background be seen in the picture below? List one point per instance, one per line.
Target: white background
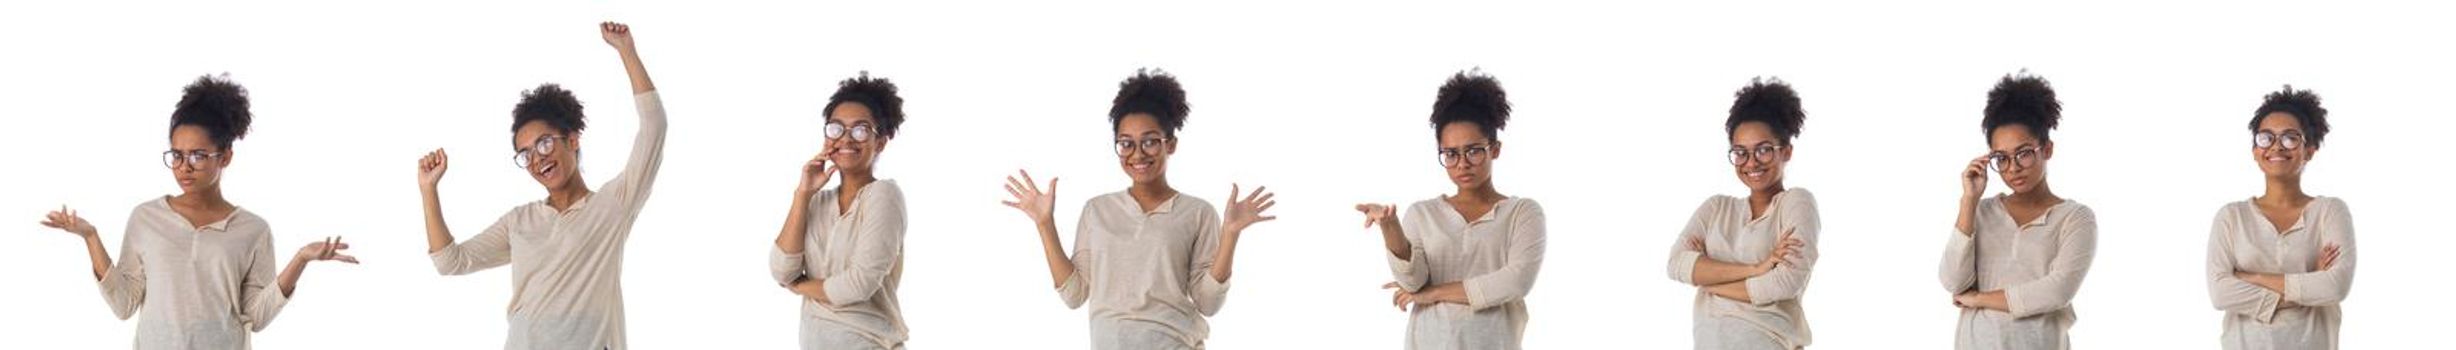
(1618, 132)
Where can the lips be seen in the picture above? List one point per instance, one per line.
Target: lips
(548, 169)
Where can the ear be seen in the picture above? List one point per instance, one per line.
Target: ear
(1171, 146)
(227, 154)
(2047, 151)
(1785, 154)
(1496, 150)
(882, 143)
(573, 138)
(2311, 152)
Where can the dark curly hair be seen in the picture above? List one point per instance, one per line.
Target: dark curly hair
(1473, 97)
(217, 105)
(2022, 99)
(2304, 105)
(1154, 92)
(552, 104)
(876, 93)
(1768, 101)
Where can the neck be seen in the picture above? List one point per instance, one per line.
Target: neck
(854, 182)
(208, 197)
(1156, 190)
(1760, 198)
(2284, 190)
(2042, 195)
(571, 192)
(1480, 194)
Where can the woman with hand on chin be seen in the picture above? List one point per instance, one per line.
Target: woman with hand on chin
(2014, 261)
(1750, 257)
(566, 250)
(1464, 262)
(199, 267)
(1152, 262)
(842, 249)
(2279, 263)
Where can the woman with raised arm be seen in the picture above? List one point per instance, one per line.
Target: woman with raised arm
(566, 250)
(2279, 263)
(1750, 257)
(1152, 262)
(199, 267)
(2014, 261)
(1463, 262)
(842, 249)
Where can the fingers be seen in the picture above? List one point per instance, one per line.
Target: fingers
(1391, 285)
(1266, 206)
(1015, 187)
(1012, 204)
(1033, 186)
(1010, 190)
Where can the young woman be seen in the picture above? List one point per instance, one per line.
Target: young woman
(1750, 257)
(566, 250)
(1463, 262)
(842, 249)
(1152, 262)
(2279, 263)
(2014, 261)
(199, 267)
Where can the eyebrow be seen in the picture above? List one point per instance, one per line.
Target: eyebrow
(1759, 143)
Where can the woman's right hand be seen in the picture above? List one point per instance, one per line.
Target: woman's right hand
(1785, 248)
(431, 168)
(815, 174)
(67, 220)
(1030, 199)
(1974, 178)
(1384, 214)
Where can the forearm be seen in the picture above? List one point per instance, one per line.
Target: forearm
(1395, 239)
(1712, 272)
(438, 236)
(1734, 290)
(99, 256)
(811, 288)
(2272, 282)
(1967, 223)
(638, 72)
(797, 221)
(1990, 300)
(289, 275)
(1060, 266)
(1452, 292)
(1223, 262)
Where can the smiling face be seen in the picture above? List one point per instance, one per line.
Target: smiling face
(850, 153)
(2276, 160)
(1472, 170)
(1762, 173)
(556, 167)
(2025, 157)
(198, 176)
(1146, 165)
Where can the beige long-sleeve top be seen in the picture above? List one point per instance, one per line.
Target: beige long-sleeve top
(859, 253)
(2242, 239)
(567, 266)
(1146, 275)
(1494, 256)
(2038, 264)
(198, 287)
(1731, 235)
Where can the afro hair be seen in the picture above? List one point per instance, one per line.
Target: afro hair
(217, 105)
(1768, 101)
(1472, 97)
(878, 94)
(551, 104)
(2022, 99)
(1153, 92)
(2304, 105)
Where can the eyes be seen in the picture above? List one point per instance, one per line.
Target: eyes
(1470, 154)
(2024, 157)
(2289, 139)
(1147, 145)
(1763, 153)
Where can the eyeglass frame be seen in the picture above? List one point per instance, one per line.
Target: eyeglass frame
(2026, 156)
(1470, 154)
(522, 157)
(1144, 145)
(174, 158)
(1763, 153)
(858, 132)
(2291, 140)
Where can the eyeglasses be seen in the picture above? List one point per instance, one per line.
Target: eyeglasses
(527, 155)
(1469, 155)
(1127, 147)
(174, 158)
(859, 132)
(1764, 154)
(2264, 139)
(2025, 157)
